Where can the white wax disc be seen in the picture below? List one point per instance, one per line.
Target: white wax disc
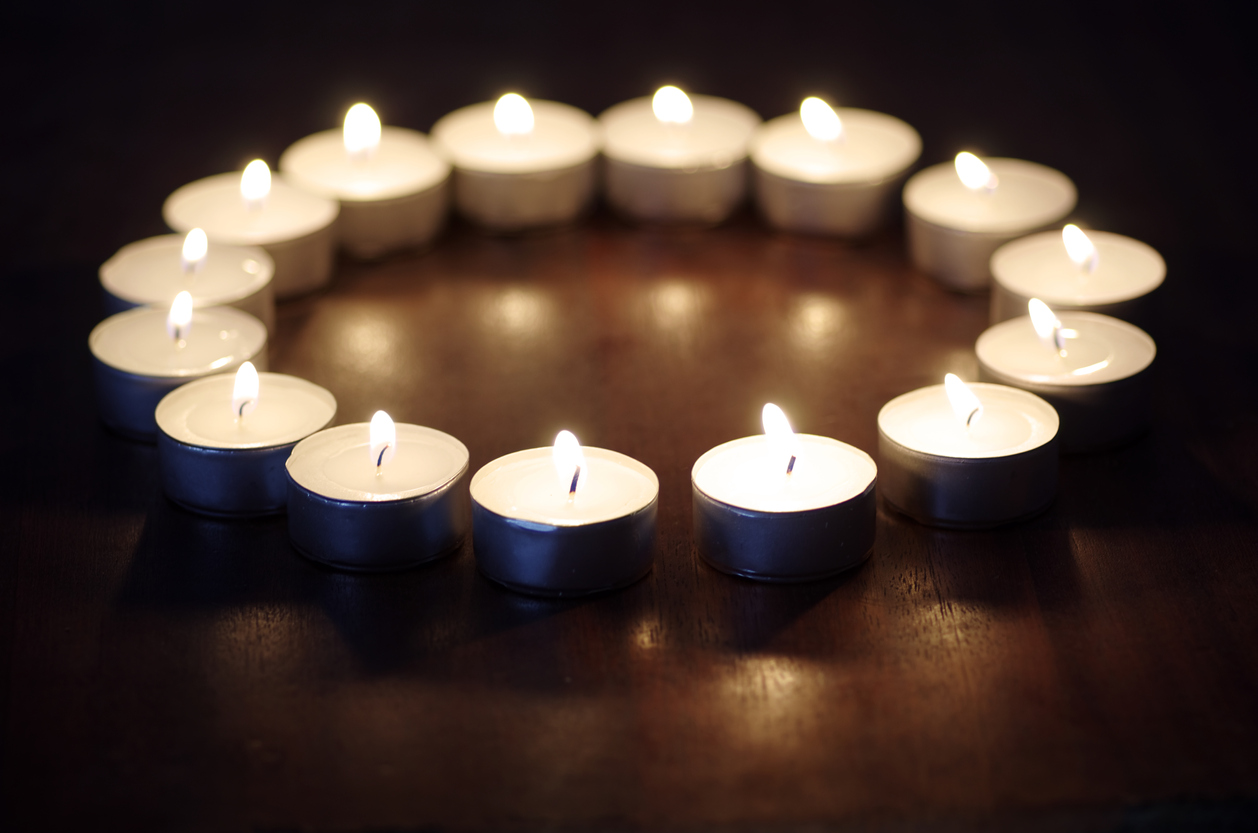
(1013, 421)
(215, 204)
(562, 137)
(218, 339)
(1099, 349)
(1037, 266)
(524, 485)
(151, 272)
(749, 473)
(1029, 196)
(289, 409)
(337, 463)
(405, 162)
(716, 136)
(873, 146)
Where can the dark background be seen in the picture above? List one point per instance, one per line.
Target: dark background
(164, 672)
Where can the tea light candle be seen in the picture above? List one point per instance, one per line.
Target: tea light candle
(1076, 271)
(143, 354)
(222, 441)
(390, 182)
(378, 496)
(520, 164)
(250, 209)
(968, 456)
(832, 172)
(1097, 371)
(783, 506)
(959, 213)
(674, 158)
(564, 521)
(151, 272)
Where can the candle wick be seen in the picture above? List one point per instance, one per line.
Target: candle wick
(790, 467)
(572, 490)
(970, 418)
(241, 413)
(380, 459)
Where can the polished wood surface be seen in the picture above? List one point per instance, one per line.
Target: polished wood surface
(1095, 668)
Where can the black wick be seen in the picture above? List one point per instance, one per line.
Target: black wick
(380, 459)
(572, 490)
(790, 467)
(970, 418)
(241, 413)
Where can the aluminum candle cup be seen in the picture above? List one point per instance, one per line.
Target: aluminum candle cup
(1002, 470)
(393, 197)
(953, 229)
(843, 186)
(217, 463)
(136, 362)
(1120, 281)
(526, 179)
(341, 513)
(669, 172)
(752, 519)
(151, 272)
(294, 226)
(530, 538)
(1102, 388)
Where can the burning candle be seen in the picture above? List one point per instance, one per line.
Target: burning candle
(143, 354)
(390, 182)
(828, 171)
(252, 209)
(959, 213)
(377, 496)
(1096, 371)
(784, 506)
(520, 164)
(565, 520)
(151, 272)
(222, 441)
(968, 456)
(1076, 271)
(674, 158)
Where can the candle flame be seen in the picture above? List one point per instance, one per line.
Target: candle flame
(974, 173)
(245, 390)
(179, 319)
(781, 438)
(1047, 326)
(195, 247)
(513, 116)
(965, 403)
(820, 120)
(569, 463)
(361, 132)
(383, 436)
(255, 183)
(672, 106)
(1080, 248)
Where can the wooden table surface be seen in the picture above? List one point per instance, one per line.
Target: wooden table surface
(1095, 668)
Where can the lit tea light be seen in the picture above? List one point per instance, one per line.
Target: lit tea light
(294, 226)
(392, 185)
(677, 158)
(151, 272)
(784, 506)
(959, 213)
(1077, 271)
(968, 455)
(142, 354)
(566, 520)
(1096, 371)
(520, 163)
(831, 171)
(222, 441)
(377, 496)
